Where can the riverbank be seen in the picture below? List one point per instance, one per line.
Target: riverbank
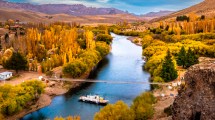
(165, 97)
(52, 90)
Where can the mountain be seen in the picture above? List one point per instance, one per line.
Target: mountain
(75, 9)
(47, 13)
(30, 16)
(157, 14)
(152, 15)
(207, 8)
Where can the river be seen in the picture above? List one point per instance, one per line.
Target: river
(124, 63)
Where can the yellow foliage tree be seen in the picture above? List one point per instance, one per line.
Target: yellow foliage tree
(90, 43)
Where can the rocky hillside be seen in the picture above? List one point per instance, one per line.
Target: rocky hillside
(75, 9)
(207, 8)
(196, 101)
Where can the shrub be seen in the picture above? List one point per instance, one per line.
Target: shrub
(142, 106)
(105, 38)
(117, 111)
(157, 79)
(102, 48)
(168, 110)
(15, 98)
(75, 69)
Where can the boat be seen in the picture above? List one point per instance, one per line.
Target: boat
(96, 99)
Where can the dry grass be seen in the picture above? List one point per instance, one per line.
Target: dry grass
(206, 8)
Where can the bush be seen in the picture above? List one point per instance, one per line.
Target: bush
(182, 18)
(142, 106)
(75, 69)
(117, 111)
(102, 48)
(90, 58)
(15, 98)
(16, 62)
(49, 73)
(147, 40)
(157, 79)
(86, 60)
(168, 110)
(105, 38)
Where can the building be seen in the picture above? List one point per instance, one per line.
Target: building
(5, 75)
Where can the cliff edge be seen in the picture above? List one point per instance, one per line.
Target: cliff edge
(196, 100)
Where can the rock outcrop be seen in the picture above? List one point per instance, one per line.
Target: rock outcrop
(196, 100)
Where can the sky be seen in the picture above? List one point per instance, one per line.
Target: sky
(132, 6)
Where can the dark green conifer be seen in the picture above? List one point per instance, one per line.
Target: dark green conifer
(168, 72)
(16, 62)
(191, 58)
(181, 60)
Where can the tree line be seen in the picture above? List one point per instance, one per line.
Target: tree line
(141, 109)
(57, 45)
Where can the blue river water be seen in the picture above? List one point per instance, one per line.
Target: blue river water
(124, 63)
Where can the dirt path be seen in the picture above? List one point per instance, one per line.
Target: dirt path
(165, 97)
(24, 76)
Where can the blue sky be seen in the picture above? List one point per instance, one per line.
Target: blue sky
(132, 6)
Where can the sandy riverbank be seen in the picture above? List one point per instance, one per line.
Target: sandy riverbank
(52, 90)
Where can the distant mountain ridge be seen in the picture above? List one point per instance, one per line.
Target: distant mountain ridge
(157, 14)
(37, 17)
(75, 9)
(152, 15)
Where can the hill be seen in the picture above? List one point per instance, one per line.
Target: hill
(207, 8)
(47, 13)
(75, 9)
(29, 16)
(152, 15)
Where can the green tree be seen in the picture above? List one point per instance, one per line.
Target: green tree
(191, 58)
(75, 69)
(117, 111)
(16, 62)
(181, 60)
(168, 71)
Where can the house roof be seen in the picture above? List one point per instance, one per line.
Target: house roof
(5, 73)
